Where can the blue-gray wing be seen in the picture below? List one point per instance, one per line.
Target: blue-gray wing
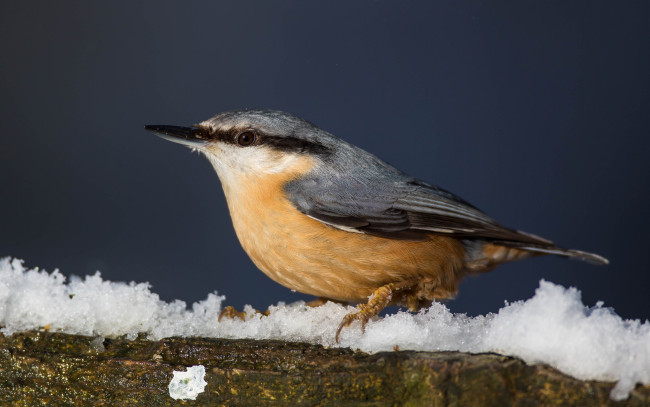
(398, 208)
(355, 191)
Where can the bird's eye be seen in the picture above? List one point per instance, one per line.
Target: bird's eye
(246, 138)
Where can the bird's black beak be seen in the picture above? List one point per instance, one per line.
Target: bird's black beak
(189, 136)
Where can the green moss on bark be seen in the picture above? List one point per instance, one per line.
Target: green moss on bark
(53, 369)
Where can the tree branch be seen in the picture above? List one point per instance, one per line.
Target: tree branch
(54, 369)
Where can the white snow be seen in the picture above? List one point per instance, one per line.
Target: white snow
(552, 327)
(189, 384)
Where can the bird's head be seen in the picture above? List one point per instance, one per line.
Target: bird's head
(253, 142)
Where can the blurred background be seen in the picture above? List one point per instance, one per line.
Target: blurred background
(536, 112)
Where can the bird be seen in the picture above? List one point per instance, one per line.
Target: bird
(326, 218)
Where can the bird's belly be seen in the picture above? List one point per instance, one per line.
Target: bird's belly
(308, 256)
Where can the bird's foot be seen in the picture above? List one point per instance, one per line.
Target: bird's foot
(376, 303)
(231, 313)
(321, 301)
(317, 302)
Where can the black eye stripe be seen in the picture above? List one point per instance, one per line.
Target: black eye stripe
(288, 144)
(294, 144)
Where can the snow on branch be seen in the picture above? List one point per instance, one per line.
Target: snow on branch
(552, 327)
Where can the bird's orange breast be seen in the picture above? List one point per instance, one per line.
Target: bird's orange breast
(308, 256)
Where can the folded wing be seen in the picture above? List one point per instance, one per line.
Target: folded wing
(411, 209)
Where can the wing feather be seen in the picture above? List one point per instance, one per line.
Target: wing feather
(406, 210)
(356, 192)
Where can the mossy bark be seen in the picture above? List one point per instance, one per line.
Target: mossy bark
(53, 369)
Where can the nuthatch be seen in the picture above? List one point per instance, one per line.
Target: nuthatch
(323, 217)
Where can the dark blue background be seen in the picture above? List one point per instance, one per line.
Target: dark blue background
(536, 112)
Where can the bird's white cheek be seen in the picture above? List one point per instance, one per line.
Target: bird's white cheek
(259, 159)
(236, 164)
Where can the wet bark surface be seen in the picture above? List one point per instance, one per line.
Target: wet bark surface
(54, 369)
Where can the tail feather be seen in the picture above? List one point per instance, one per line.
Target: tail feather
(570, 253)
(483, 256)
(537, 244)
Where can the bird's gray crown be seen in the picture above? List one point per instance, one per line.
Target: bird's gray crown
(273, 128)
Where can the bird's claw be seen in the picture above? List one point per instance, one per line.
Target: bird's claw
(377, 302)
(231, 313)
(351, 317)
